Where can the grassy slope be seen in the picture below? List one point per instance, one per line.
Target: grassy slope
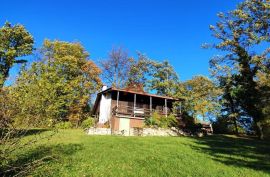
(82, 155)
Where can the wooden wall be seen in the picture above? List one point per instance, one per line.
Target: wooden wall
(136, 123)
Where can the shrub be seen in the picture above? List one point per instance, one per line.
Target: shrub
(89, 122)
(171, 121)
(149, 122)
(161, 121)
(63, 125)
(154, 120)
(166, 122)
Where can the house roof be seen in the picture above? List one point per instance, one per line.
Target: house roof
(139, 92)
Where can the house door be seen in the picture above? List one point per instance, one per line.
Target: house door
(124, 125)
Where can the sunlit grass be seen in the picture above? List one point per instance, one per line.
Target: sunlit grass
(78, 154)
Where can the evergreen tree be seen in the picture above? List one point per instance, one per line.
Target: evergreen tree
(239, 32)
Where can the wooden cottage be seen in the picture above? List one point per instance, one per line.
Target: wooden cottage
(127, 108)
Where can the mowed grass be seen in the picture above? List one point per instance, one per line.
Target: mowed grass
(78, 154)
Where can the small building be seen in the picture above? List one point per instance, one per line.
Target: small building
(122, 109)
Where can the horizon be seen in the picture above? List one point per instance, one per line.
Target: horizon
(172, 31)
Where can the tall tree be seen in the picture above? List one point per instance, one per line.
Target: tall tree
(231, 108)
(59, 86)
(140, 70)
(201, 97)
(264, 86)
(164, 78)
(15, 42)
(115, 69)
(239, 32)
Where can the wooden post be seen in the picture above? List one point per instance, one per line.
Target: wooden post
(117, 102)
(150, 105)
(166, 112)
(134, 105)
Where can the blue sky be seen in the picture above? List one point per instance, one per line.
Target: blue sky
(162, 29)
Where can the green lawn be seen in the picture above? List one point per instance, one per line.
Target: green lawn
(78, 154)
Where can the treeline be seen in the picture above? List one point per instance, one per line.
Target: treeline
(59, 85)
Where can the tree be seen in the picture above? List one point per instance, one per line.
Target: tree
(231, 108)
(120, 70)
(140, 70)
(15, 42)
(264, 87)
(201, 97)
(164, 79)
(115, 69)
(58, 87)
(238, 32)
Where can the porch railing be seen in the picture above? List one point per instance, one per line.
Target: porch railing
(129, 111)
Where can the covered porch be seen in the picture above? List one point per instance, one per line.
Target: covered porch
(140, 106)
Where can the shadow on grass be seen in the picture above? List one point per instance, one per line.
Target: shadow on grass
(41, 155)
(35, 131)
(236, 151)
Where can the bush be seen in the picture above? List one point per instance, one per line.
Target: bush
(63, 125)
(153, 120)
(172, 121)
(149, 122)
(161, 121)
(88, 122)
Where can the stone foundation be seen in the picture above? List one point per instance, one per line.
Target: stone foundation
(99, 131)
(161, 132)
(137, 132)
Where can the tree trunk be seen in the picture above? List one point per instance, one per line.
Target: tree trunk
(4, 77)
(233, 111)
(260, 131)
(236, 127)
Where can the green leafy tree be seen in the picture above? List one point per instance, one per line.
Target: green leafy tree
(264, 86)
(239, 32)
(15, 42)
(140, 70)
(231, 108)
(164, 79)
(201, 97)
(59, 86)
